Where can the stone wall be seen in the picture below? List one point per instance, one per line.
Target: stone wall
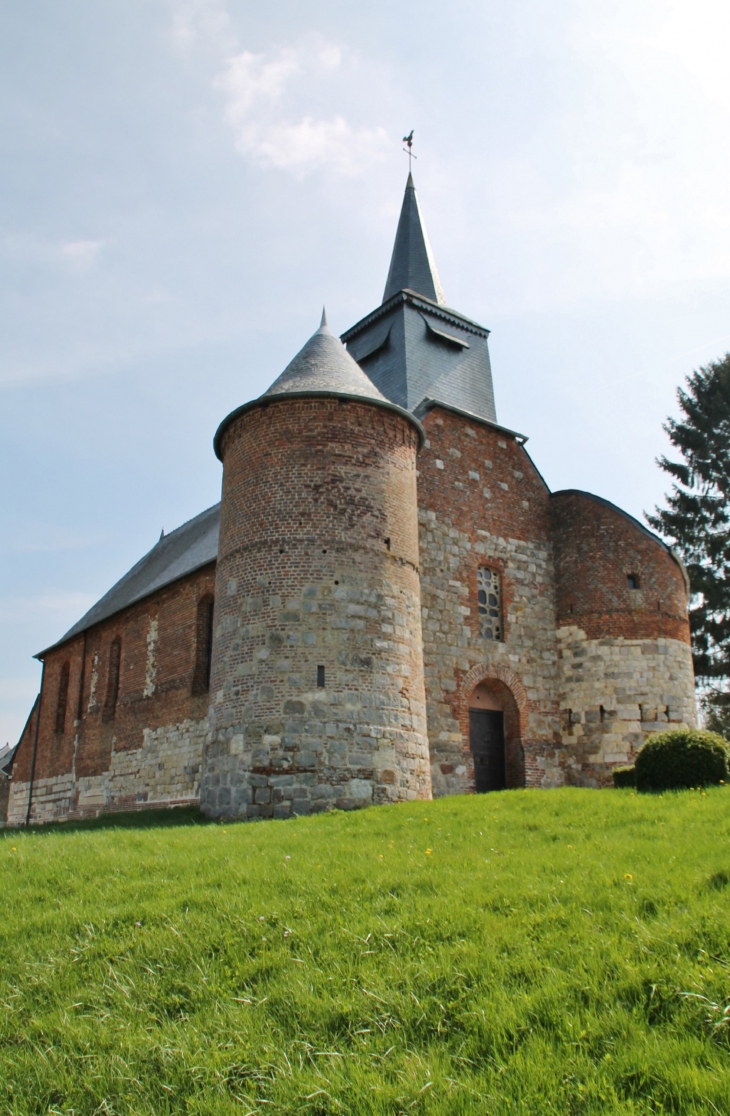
(165, 771)
(482, 503)
(615, 692)
(317, 572)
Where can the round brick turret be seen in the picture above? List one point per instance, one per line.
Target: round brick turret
(317, 691)
(625, 661)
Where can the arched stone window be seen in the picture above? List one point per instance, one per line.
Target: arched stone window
(62, 700)
(203, 645)
(112, 682)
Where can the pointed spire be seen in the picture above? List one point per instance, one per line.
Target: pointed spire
(323, 324)
(412, 265)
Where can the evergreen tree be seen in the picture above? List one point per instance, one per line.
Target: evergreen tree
(697, 522)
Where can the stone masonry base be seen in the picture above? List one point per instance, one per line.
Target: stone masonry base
(167, 766)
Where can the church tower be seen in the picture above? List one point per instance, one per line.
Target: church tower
(414, 348)
(317, 693)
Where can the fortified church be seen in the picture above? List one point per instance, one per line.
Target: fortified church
(388, 603)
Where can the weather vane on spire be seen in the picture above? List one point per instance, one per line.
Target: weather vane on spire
(408, 141)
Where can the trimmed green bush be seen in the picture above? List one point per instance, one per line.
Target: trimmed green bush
(681, 758)
(624, 776)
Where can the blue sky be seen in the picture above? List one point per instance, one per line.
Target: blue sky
(185, 182)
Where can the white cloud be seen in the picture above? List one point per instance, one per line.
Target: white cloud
(198, 23)
(622, 185)
(82, 254)
(273, 100)
(250, 81)
(263, 98)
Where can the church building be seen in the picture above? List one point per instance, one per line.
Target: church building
(387, 604)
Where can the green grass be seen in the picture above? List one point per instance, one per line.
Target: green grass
(525, 952)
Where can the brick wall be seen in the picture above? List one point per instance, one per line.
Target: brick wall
(624, 653)
(317, 567)
(596, 548)
(483, 503)
(150, 748)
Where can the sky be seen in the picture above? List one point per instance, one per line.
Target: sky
(186, 182)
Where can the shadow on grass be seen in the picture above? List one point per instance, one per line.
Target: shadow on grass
(133, 819)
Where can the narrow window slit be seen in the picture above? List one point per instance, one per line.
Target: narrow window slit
(62, 701)
(203, 645)
(112, 682)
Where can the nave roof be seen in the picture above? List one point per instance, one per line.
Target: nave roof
(183, 551)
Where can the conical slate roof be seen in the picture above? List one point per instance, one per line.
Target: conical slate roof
(324, 365)
(412, 266)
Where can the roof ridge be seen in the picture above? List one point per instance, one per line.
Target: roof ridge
(173, 556)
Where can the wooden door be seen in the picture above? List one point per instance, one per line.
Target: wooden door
(486, 740)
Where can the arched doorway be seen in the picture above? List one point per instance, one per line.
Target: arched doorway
(494, 737)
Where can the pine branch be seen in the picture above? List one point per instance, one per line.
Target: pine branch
(696, 518)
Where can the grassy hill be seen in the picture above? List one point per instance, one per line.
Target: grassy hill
(523, 952)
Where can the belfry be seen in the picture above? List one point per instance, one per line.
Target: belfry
(388, 603)
(413, 347)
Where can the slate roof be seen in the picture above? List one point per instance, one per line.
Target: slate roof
(6, 757)
(191, 546)
(324, 364)
(412, 265)
(413, 345)
(428, 402)
(321, 367)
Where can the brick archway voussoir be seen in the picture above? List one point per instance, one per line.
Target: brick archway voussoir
(484, 672)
